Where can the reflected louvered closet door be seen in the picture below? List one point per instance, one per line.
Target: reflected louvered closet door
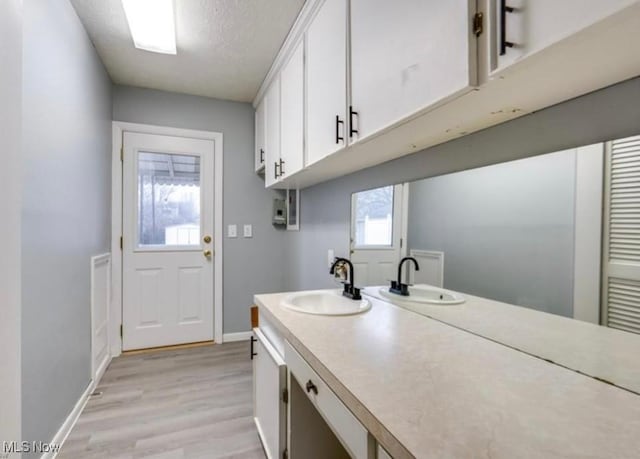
(621, 276)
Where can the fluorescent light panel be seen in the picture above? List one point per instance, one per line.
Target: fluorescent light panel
(152, 24)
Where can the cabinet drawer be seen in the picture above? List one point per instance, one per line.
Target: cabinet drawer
(344, 424)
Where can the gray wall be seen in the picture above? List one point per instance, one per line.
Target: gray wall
(66, 208)
(250, 265)
(610, 113)
(10, 190)
(506, 230)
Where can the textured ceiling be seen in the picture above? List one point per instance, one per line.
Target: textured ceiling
(225, 47)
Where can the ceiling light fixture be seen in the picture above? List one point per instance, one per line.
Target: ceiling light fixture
(152, 24)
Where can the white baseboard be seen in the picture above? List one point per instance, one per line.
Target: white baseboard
(241, 336)
(100, 371)
(60, 437)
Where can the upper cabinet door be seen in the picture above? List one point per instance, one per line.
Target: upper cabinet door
(272, 133)
(407, 56)
(520, 28)
(260, 134)
(327, 80)
(292, 113)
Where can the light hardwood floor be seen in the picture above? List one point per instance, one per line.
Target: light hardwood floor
(188, 403)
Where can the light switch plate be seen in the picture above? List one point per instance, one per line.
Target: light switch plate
(248, 231)
(232, 231)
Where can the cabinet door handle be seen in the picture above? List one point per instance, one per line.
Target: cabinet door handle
(351, 129)
(261, 156)
(253, 340)
(504, 44)
(275, 170)
(338, 123)
(311, 387)
(281, 167)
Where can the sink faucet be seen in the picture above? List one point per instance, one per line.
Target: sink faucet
(350, 290)
(398, 287)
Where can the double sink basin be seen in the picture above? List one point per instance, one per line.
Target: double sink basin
(332, 303)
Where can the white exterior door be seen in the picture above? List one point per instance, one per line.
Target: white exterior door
(376, 234)
(621, 248)
(168, 240)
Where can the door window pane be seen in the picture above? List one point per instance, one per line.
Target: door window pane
(373, 217)
(168, 199)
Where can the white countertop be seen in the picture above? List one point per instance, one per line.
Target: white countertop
(426, 389)
(606, 353)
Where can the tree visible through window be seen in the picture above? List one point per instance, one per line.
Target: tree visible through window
(373, 215)
(168, 199)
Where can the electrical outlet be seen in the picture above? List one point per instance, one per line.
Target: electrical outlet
(232, 231)
(330, 258)
(248, 231)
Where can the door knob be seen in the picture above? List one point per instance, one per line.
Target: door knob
(207, 239)
(207, 253)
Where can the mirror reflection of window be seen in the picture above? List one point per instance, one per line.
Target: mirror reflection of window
(376, 234)
(374, 217)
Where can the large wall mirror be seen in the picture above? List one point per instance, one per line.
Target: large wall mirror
(550, 236)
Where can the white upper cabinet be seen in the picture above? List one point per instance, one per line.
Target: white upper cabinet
(260, 135)
(361, 82)
(326, 60)
(407, 56)
(524, 27)
(292, 113)
(272, 134)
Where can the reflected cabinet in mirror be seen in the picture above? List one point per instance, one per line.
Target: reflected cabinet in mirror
(541, 254)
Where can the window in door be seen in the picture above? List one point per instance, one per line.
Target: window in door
(168, 200)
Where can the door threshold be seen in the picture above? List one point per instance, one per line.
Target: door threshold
(173, 347)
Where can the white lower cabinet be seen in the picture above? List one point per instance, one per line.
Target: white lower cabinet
(296, 413)
(269, 385)
(352, 435)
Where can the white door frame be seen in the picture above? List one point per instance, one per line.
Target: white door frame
(119, 128)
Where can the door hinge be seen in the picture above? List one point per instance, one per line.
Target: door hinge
(478, 24)
(285, 395)
(121, 154)
(285, 454)
(401, 240)
(121, 334)
(121, 243)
